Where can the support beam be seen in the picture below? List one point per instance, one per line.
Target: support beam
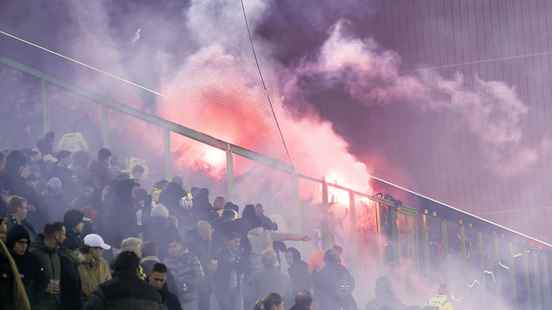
(167, 153)
(229, 173)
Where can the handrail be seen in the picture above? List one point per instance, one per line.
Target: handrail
(239, 150)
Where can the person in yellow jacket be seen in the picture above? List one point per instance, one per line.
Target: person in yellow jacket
(441, 301)
(93, 270)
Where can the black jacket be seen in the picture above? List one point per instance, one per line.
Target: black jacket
(170, 300)
(125, 292)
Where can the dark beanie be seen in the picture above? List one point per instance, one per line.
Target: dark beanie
(16, 233)
(72, 218)
(126, 261)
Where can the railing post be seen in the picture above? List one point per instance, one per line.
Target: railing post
(325, 198)
(167, 152)
(352, 210)
(229, 172)
(45, 110)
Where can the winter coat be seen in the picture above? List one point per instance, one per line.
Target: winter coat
(160, 230)
(188, 274)
(49, 261)
(333, 286)
(12, 290)
(70, 283)
(93, 272)
(125, 292)
(170, 300)
(300, 277)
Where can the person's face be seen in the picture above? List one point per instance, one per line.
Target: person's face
(279, 307)
(218, 204)
(21, 211)
(259, 209)
(233, 244)
(60, 236)
(20, 246)
(138, 175)
(65, 162)
(79, 227)
(96, 252)
(25, 171)
(3, 232)
(175, 249)
(157, 279)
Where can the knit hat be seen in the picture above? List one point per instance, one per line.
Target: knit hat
(16, 233)
(73, 217)
(160, 211)
(126, 261)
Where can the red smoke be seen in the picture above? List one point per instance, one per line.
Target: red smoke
(212, 94)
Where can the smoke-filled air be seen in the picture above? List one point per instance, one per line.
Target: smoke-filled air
(270, 155)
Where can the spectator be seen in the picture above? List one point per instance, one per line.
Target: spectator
(265, 222)
(137, 173)
(46, 252)
(54, 198)
(122, 206)
(127, 289)
(171, 195)
(133, 245)
(150, 258)
(201, 244)
(441, 301)
(228, 273)
(303, 301)
(12, 290)
(334, 285)
(15, 180)
(28, 267)
(187, 271)
(160, 229)
(270, 279)
(218, 205)
(93, 269)
(100, 173)
(298, 271)
(74, 221)
(18, 209)
(157, 278)
(3, 230)
(385, 296)
(46, 144)
(271, 302)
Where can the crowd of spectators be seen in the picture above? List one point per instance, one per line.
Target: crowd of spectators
(77, 233)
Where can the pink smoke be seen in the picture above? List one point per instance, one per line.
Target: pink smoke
(213, 95)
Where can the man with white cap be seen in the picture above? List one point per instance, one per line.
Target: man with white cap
(94, 270)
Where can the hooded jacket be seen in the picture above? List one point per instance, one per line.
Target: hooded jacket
(93, 272)
(125, 292)
(27, 265)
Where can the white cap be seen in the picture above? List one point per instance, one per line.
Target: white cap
(95, 241)
(159, 211)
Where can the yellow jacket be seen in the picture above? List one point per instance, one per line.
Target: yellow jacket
(441, 302)
(93, 272)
